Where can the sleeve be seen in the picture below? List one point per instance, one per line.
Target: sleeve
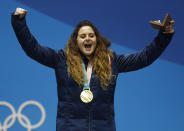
(145, 57)
(32, 48)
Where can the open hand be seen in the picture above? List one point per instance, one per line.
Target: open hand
(20, 12)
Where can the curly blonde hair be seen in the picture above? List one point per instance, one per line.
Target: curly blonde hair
(100, 57)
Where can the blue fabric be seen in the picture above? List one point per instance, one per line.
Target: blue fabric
(72, 113)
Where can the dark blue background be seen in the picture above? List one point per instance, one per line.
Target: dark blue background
(150, 99)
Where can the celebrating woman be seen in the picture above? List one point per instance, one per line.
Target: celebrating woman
(86, 72)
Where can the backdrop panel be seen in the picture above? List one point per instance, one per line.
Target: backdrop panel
(150, 99)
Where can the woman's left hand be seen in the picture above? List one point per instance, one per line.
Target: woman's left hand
(169, 29)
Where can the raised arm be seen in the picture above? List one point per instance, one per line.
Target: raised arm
(32, 48)
(145, 57)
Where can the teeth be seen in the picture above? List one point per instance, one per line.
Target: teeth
(87, 45)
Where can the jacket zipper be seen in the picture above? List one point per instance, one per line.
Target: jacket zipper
(89, 127)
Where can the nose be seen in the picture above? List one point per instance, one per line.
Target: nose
(87, 38)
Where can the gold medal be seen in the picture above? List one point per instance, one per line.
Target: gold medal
(86, 96)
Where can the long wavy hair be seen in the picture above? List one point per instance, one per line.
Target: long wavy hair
(99, 60)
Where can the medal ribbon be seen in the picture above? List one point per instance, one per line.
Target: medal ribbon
(87, 75)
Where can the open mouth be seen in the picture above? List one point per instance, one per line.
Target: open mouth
(88, 46)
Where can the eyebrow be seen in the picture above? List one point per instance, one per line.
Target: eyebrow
(85, 34)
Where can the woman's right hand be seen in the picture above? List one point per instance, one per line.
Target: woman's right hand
(20, 12)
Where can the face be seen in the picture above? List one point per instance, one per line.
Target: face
(86, 40)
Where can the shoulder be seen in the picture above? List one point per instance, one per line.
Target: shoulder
(116, 56)
(61, 53)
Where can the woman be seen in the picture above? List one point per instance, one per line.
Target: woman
(86, 72)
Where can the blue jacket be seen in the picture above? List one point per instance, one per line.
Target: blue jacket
(72, 113)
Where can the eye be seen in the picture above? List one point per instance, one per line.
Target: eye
(91, 35)
(82, 36)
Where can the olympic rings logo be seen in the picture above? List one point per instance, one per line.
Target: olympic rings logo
(23, 120)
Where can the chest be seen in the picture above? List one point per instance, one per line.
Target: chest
(69, 90)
